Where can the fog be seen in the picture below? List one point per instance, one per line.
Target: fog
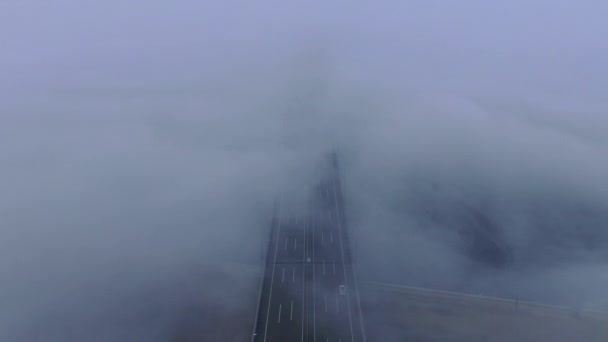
(143, 146)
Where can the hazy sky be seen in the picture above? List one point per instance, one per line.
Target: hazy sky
(142, 145)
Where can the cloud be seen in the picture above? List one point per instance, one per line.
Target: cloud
(142, 146)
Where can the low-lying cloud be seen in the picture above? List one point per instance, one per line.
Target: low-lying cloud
(142, 148)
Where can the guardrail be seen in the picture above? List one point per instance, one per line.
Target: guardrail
(263, 268)
(342, 216)
(517, 304)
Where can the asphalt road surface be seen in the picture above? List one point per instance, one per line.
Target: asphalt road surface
(309, 292)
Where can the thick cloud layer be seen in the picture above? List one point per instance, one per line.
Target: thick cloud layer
(142, 147)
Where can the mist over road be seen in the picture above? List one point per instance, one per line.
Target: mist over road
(142, 146)
(319, 298)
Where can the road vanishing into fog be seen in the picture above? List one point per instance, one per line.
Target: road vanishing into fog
(309, 291)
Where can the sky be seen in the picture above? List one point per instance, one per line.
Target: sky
(143, 145)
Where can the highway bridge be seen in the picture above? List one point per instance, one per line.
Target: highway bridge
(309, 291)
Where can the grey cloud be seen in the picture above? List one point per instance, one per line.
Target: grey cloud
(142, 147)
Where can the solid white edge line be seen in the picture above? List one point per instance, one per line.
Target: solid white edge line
(359, 305)
(350, 319)
(354, 272)
(314, 294)
(303, 279)
(276, 249)
(257, 311)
